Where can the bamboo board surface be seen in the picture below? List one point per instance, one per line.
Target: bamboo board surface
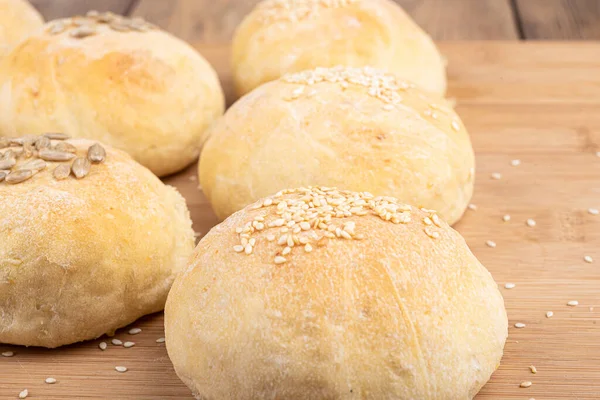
(536, 102)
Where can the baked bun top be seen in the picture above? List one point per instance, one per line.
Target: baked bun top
(282, 36)
(17, 20)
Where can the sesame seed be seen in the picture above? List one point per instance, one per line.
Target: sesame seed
(491, 243)
(134, 331)
(24, 394)
(267, 202)
(248, 249)
(160, 340)
(455, 126)
(238, 248)
(588, 259)
(593, 211)
(238, 230)
(270, 237)
(8, 354)
(509, 285)
(472, 207)
(304, 225)
(496, 175)
(427, 221)
(572, 303)
(388, 107)
(279, 260)
(525, 384)
(116, 342)
(121, 369)
(533, 369)
(515, 163)
(102, 346)
(520, 325)
(286, 250)
(308, 248)
(506, 218)
(549, 314)
(531, 223)
(432, 234)
(50, 381)
(252, 242)
(128, 344)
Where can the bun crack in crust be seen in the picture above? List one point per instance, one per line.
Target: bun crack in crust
(89, 240)
(116, 80)
(356, 128)
(318, 293)
(278, 37)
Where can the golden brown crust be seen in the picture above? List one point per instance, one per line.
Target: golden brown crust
(17, 20)
(395, 307)
(140, 90)
(356, 129)
(282, 36)
(83, 257)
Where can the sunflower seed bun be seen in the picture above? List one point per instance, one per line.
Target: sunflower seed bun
(323, 294)
(89, 241)
(117, 80)
(17, 20)
(282, 36)
(357, 129)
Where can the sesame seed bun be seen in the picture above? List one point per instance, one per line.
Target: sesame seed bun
(117, 80)
(372, 299)
(353, 128)
(17, 20)
(282, 36)
(83, 257)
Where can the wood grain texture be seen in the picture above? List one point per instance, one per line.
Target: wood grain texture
(52, 9)
(533, 102)
(560, 19)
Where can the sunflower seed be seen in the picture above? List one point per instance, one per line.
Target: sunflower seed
(106, 17)
(4, 142)
(53, 155)
(78, 20)
(119, 26)
(19, 176)
(96, 153)
(35, 166)
(61, 172)
(27, 150)
(57, 28)
(65, 147)
(42, 142)
(81, 167)
(57, 136)
(7, 163)
(83, 31)
(2, 175)
(92, 14)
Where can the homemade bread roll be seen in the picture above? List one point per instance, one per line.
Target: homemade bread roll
(324, 294)
(282, 36)
(17, 20)
(356, 129)
(83, 257)
(122, 82)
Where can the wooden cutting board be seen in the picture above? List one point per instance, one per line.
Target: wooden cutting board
(536, 102)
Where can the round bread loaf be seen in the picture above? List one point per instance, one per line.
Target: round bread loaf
(17, 20)
(356, 129)
(283, 36)
(323, 294)
(85, 254)
(120, 81)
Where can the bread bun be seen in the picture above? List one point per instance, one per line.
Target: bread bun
(17, 20)
(356, 129)
(83, 257)
(124, 83)
(283, 36)
(324, 294)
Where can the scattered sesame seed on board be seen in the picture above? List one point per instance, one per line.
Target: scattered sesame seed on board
(120, 369)
(515, 163)
(50, 381)
(160, 340)
(102, 346)
(593, 211)
(549, 314)
(8, 354)
(472, 207)
(506, 218)
(134, 331)
(520, 325)
(531, 223)
(127, 345)
(533, 369)
(509, 286)
(490, 243)
(496, 175)
(588, 259)
(525, 384)
(24, 394)
(116, 342)
(572, 303)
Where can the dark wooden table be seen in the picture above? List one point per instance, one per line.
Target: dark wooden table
(213, 21)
